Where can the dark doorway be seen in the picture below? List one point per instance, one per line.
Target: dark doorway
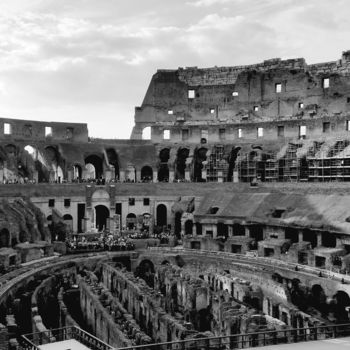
(131, 221)
(182, 155)
(81, 215)
(161, 215)
(189, 227)
(96, 161)
(102, 213)
(163, 170)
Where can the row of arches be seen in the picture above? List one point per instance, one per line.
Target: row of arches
(7, 240)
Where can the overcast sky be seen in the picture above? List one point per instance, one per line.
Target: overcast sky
(92, 60)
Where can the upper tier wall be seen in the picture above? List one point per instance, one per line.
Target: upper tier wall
(274, 91)
(29, 130)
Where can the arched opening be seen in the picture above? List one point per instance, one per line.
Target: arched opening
(146, 133)
(180, 164)
(163, 171)
(101, 215)
(318, 299)
(342, 301)
(4, 238)
(131, 221)
(68, 220)
(238, 230)
(52, 161)
(189, 227)
(78, 172)
(97, 163)
(146, 174)
(113, 159)
(177, 230)
(161, 215)
(90, 171)
(199, 157)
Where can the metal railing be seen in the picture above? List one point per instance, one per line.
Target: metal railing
(34, 340)
(236, 341)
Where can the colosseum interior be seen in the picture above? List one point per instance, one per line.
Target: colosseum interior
(221, 223)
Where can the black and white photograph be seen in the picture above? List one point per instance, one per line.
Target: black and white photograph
(174, 174)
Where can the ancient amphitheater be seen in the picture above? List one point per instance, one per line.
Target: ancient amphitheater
(223, 222)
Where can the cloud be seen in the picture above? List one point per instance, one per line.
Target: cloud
(200, 3)
(74, 58)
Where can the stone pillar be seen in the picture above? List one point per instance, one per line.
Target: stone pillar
(138, 175)
(220, 176)
(36, 176)
(204, 174)
(155, 176)
(247, 231)
(215, 230)
(122, 175)
(187, 175)
(171, 175)
(319, 239)
(194, 229)
(300, 235)
(86, 225)
(70, 175)
(108, 175)
(235, 177)
(230, 231)
(153, 215)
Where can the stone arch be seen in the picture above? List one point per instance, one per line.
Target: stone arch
(131, 221)
(68, 220)
(200, 156)
(4, 238)
(318, 298)
(163, 169)
(113, 159)
(97, 163)
(188, 227)
(101, 216)
(180, 163)
(146, 173)
(100, 195)
(146, 133)
(162, 215)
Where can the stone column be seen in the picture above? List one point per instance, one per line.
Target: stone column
(155, 176)
(70, 175)
(230, 231)
(187, 175)
(122, 175)
(300, 235)
(194, 229)
(319, 239)
(215, 230)
(171, 175)
(138, 175)
(247, 231)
